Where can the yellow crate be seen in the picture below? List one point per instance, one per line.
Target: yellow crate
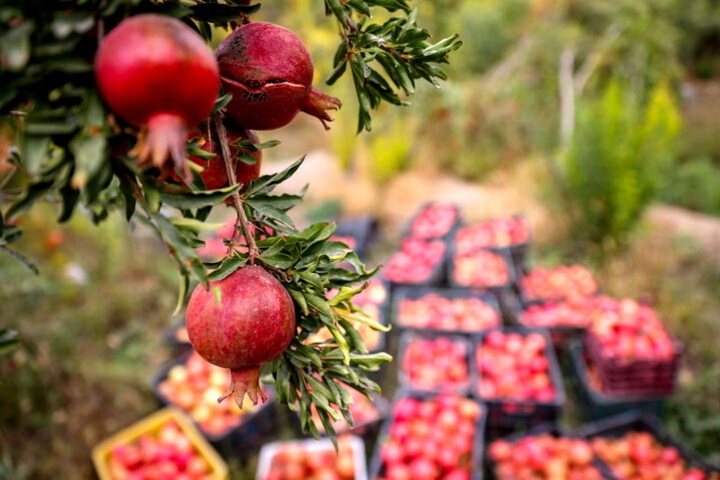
(151, 424)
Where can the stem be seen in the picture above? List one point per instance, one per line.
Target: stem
(242, 225)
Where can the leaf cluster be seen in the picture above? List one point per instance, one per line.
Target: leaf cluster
(385, 59)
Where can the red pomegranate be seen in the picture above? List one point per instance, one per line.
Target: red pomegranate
(269, 72)
(214, 174)
(158, 75)
(241, 322)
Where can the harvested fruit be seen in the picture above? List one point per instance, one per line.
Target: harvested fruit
(434, 221)
(159, 75)
(496, 232)
(437, 312)
(514, 365)
(561, 282)
(241, 322)
(543, 456)
(269, 72)
(480, 269)
(313, 459)
(431, 437)
(637, 454)
(416, 261)
(435, 363)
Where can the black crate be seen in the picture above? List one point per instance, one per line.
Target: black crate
(518, 250)
(502, 256)
(445, 233)
(549, 428)
(634, 377)
(595, 404)
(409, 339)
(252, 430)
(619, 425)
(418, 293)
(526, 298)
(507, 415)
(476, 460)
(436, 274)
(561, 335)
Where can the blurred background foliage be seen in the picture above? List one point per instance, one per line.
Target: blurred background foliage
(619, 99)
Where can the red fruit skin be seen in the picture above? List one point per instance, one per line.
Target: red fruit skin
(249, 323)
(159, 75)
(269, 71)
(215, 176)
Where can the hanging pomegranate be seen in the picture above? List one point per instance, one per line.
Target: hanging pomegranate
(269, 72)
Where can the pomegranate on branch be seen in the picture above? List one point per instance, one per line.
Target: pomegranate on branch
(158, 75)
(268, 71)
(241, 322)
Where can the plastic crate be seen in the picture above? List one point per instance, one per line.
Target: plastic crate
(570, 272)
(507, 415)
(251, 427)
(561, 334)
(517, 249)
(407, 254)
(473, 462)
(619, 425)
(432, 320)
(444, 231)
(595, 404)
(302, 450)
(634, 377)
(481, 259)
(552, 429)
(151, 425)
(433, 350)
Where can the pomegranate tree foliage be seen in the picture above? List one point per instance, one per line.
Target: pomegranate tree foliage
(71, 151)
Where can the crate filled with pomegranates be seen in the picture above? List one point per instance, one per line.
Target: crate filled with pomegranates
(445, 309)
(565, 320)
(517, 376)
(433, 361)
(511, 233)
(194, 386)
(632, 349)
(165, 444)
(593, 403)
(434, 220)
(430, 435)
(480, 269)
(635, 445)
(307, 459)
(544, 452)
(560, 282)
(416, 261)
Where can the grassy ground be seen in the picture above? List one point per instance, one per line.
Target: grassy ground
(92, 340)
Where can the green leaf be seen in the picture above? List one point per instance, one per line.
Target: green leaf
(229, 265)
(20, 258)
(267, 183)
(198, 199)
(34, 149)
(90, 153)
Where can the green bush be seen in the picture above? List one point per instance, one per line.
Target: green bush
(613, 167)
(694, 185)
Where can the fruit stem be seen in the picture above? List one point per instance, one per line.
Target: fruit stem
(242, 225)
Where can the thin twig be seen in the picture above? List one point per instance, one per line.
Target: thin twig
(242, 225)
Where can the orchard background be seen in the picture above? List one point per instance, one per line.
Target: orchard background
(513, 129)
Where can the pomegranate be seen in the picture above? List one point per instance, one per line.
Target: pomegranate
(269, 72)
(214, 174)
(158, 75)
(241, 322)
